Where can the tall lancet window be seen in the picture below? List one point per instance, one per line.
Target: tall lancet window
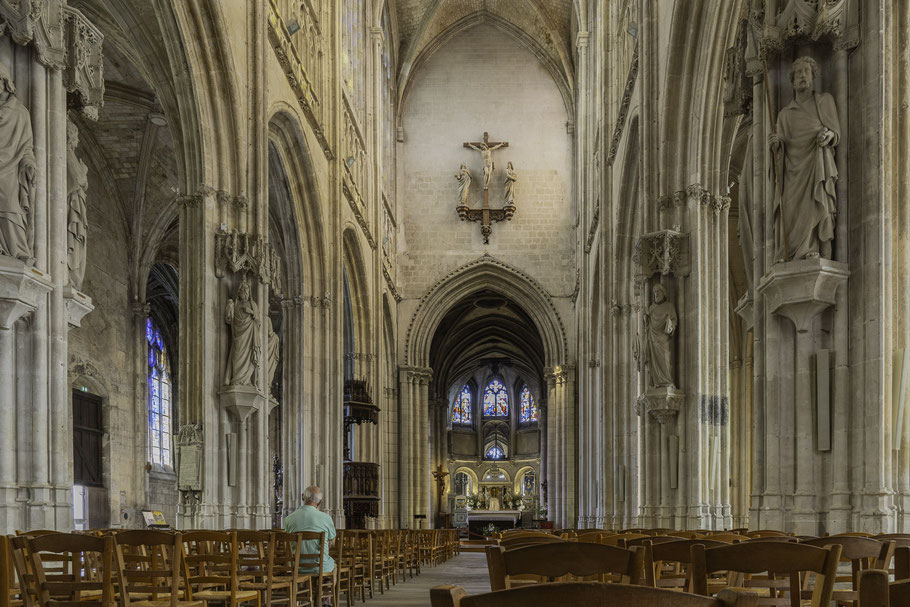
(461, 410)
(528, 408)
(495, 400)
(159, 393)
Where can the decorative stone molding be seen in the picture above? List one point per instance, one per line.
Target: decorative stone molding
(592, 230)
(355, 201)
(700, 195)
(745, 309)
(225, 199)
(663, 252)
(559, 374)
(241, 400)
(396, 294)
(83, 75)
(623, 107)
(39, 22)
(802, 289)
(78, 304)
(21, 289)
(419, 375)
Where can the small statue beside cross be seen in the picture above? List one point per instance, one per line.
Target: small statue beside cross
(485, 214)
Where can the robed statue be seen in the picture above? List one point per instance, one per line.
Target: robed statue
(245, 354)
(509, 186)
(804, 171)
(77, 222)
(464, 184)
(18, 173)
(273, 356)
(660, 327)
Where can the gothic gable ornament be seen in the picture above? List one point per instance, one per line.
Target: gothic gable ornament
(663, 252)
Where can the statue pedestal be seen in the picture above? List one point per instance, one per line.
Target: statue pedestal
(662, 404)
(802, 289)
(745, 309)
(21, 288)
(241, 400)
(78, 304)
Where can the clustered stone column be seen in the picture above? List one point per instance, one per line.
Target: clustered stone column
(561, 443)
(50, 60)
(414, 450)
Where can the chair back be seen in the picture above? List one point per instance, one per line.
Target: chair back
(85, 584)
(149, 565)
(210, 559)
(775, 558)
(8, 590)
(678, 553)
(552, 561)
(583, 593)
(517, 542)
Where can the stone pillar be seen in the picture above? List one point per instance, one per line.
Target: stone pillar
(52, 56)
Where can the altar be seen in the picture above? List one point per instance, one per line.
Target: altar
(503, 519)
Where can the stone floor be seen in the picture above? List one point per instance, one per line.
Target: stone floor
(468, 570)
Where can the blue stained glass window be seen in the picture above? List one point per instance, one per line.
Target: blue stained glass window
(528, 411)
(159, 398)
(494, 452)
(495, 400)
(461, 411)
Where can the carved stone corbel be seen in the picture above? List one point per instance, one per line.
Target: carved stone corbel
(21, 289)
(663, 252)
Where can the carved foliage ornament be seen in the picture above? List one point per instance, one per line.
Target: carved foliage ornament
(38, 21)
(84, 72)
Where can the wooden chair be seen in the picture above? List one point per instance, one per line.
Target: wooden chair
(653, 539)
(551, 561)
(728, 538)
(767, 533)
(256, 561)
(9, 591)
(518, 542)
(149, 569)
(668, 564)
(211, 569)
(585, 593)
(775, 558)
(286, 566)
(862, 551)
(875, 591)
(82, 585)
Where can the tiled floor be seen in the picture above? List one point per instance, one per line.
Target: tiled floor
(468, 570)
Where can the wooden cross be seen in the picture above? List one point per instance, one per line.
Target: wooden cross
(486, 215)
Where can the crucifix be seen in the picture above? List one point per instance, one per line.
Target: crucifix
(485, 214)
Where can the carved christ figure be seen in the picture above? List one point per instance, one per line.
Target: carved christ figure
(509, 188)
(77, 222)
(660, 325)
(18, 171)
(244, 357)
(486, 153)
(805, 203)
(464, 184)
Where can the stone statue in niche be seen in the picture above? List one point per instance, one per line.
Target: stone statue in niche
(805, 174)
(273, 355)
(464, 184)
(660, 327)
(77, 222)
(18, 173)
(509, 188)
(245, 354)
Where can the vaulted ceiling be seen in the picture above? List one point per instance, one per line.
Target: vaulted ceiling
(544, 26)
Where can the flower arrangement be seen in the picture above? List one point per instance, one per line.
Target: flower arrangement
(542, 512)
(474, 502)
(490, 530)
(513, 502)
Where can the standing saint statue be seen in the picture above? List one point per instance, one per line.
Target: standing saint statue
(805, 201)
(77, 222)
(486, 154)
(273, 355)
(464, 184)
(244, 356)
(660, 325)
(509, 188)
(18, 172)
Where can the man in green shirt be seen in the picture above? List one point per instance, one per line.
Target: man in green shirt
(309, 518)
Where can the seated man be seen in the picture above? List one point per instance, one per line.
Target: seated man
(309, 518)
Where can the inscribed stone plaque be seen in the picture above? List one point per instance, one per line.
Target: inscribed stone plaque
(188, 474)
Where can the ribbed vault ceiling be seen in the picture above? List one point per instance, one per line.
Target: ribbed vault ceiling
(482, 329)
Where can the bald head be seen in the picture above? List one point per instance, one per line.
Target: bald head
(312, 496)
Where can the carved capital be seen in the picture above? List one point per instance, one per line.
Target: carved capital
(664, 252)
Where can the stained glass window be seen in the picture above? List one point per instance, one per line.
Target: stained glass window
(495, 452)
(461, 410)
(528, 411)
(495, 400)
(159, 393)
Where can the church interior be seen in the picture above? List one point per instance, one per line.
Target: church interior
(481, 271)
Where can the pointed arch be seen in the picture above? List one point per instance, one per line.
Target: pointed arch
(485, 273)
